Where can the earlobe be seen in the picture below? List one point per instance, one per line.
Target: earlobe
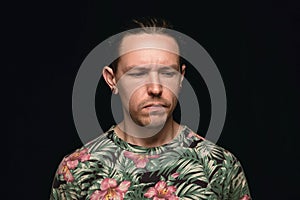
(183, 67)
(182, 74)
(109, 77)
(114, 90)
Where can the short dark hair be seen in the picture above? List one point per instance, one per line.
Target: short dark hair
(148, 25)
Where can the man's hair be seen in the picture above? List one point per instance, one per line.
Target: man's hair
(148, 25)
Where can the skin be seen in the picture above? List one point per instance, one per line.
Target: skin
(148, 80)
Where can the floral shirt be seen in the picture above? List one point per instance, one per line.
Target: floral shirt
(189, 167)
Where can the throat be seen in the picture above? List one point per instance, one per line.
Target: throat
(147, 137)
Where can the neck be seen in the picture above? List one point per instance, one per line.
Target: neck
(147, 136)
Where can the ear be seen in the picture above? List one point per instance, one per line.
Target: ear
(183, 67)
(109, 77)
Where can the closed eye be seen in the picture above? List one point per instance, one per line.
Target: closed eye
(168, 74)
(137, 74)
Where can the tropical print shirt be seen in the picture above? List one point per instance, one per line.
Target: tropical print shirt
(189, 167)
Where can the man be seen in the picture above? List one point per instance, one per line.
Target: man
(148, 155)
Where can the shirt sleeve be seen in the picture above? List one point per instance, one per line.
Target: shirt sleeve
(69, 182)
(237, 187)
(64, 184)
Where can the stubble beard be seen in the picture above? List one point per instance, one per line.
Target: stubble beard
(151, 120)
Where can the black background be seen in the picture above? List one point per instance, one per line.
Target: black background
(255, 45)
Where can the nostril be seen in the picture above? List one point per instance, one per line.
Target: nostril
(154, 89)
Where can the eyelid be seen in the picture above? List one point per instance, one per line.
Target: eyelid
(168, 70)
(168, 74)
(139, 73)
(138, 69)
(141, 69)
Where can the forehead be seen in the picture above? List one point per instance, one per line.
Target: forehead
(143, 49)
(148, 57)
(140, 41)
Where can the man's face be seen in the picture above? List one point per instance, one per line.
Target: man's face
(149, 80)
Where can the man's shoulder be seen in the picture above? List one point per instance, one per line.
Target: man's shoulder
(95, 145)
(210, 150)
(213, 150)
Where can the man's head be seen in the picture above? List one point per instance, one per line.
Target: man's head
(147, 74)
(142, 26)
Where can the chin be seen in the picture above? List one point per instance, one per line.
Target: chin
(156, 122)
(155, 125)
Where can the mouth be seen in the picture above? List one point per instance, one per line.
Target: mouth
(155, 108)
(155, 105)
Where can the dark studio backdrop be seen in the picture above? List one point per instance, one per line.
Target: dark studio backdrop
(254, 44)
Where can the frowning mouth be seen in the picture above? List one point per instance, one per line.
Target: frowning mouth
(155, 105)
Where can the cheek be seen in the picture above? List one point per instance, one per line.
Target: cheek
(172, 93)
(125, 91)
(133, 102)
(131, 99)
(172, 86)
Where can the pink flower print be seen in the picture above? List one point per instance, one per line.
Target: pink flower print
(191, 134)
(161, 191)
(71, 162)
(175, 175)
(140, 160)
(110, 190)
(63, 169)
(245, 197)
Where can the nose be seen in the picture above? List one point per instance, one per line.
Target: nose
(154, 88)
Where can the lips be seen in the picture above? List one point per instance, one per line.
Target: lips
(159, 105)
(155, 108)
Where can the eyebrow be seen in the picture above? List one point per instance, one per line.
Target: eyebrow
(175, 66)
(142, 68)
